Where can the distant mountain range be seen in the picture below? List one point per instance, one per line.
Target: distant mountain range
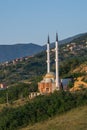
(10, 52)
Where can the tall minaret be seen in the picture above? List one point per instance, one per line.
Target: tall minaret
(56, 60)
(48, 55)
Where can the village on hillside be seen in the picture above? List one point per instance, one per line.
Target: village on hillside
(51, 80)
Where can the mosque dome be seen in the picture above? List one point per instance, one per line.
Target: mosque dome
(50, 75)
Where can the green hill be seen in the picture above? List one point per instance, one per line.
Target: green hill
(71, 55)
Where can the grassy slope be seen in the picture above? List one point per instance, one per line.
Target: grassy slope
(75, 119)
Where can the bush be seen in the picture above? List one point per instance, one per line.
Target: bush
(40, 109)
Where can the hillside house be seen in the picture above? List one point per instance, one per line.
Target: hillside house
(2, 86)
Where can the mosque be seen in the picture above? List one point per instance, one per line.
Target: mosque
(50, 82)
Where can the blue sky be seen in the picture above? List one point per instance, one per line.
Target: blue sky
(25, 21)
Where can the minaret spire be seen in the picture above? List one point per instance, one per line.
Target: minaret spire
(48, 54)
(48, 40)
(57, 60)
(57, 37)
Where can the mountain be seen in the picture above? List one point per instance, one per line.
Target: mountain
(10, 52)
(67, 40)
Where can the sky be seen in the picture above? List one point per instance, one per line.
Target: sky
(30, 21)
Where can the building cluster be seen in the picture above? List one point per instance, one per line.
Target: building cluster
(15, 61)
(75, 47)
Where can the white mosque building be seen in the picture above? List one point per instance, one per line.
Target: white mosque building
(50, 82)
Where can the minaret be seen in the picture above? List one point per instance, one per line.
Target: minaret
(48, 55)
(56, 60)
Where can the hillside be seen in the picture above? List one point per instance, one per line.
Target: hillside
(81, 81)
(22, 77)
(67, 40)
(75, 119)
(71, 56)
(11, 52)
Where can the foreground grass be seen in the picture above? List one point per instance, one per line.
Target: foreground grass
(75, 119)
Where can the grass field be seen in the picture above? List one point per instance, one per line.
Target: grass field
(75, 119)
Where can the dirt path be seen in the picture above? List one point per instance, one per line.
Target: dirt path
(78, 84)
